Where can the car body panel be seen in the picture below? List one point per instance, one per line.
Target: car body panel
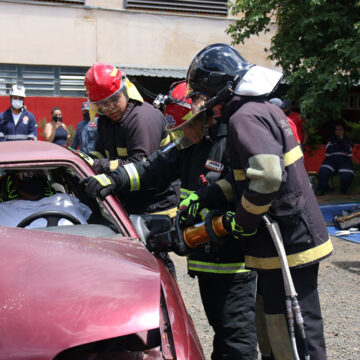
(188, 346)
(62, 292)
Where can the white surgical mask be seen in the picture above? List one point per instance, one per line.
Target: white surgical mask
(17, 104)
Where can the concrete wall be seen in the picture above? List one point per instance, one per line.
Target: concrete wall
(104, 31)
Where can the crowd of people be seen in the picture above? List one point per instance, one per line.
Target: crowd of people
(214, 144)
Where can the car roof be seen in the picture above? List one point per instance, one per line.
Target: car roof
(23, 151)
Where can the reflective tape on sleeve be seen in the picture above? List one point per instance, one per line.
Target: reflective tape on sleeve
(122, 151)
(133, 176)
(226, 188)
(293, 155)
(252, 208)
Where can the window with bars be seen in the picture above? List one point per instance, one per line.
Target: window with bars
(41, 80)
(76, 2)
(209, 7)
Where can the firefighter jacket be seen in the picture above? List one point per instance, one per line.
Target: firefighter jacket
(25, 129)
(268, 177)
(206, 158)
(139, 133)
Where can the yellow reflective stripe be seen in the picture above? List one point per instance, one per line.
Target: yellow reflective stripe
(170, 212)
(297, 259)
(293, 155)
(107, 153)
(114, 164)
(226, 188)
(239, 175)
(133, 176)
(165, 141)
(97, 154)
(218, 268)
(252, 208)
(289, 158)
(132, 91)
(184, 193)
(114, 72)
(103, 179)
(122, 151)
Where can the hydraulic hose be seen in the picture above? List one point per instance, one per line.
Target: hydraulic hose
(293, 309)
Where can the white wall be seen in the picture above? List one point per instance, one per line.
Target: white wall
(68, 35)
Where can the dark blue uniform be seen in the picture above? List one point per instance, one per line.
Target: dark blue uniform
(337, 159)
(227, 289)
(85, 136)
(268, 177)
(25, 129)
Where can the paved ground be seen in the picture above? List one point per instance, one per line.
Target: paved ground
(339, 288)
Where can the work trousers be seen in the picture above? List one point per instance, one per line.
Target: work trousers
(271, 320)
(229, 303)
(343, 166)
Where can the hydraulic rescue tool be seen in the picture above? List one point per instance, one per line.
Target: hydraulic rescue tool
(184, 241)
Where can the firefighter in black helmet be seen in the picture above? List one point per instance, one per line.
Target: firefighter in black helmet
(267, 177)
(227, 289)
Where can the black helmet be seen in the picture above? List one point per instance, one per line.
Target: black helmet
(213, 67)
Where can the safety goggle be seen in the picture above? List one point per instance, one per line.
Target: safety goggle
(100, 107)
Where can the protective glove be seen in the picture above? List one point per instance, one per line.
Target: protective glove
(102, 165)
(189, 209)
(217, 240)
(99, 185)
(232, 227)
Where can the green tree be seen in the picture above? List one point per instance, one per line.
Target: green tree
(317, 45)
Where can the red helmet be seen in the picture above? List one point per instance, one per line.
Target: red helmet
(178, 107)
(102, 81)
(184, 126)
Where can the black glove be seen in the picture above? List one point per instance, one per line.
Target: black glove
(216, 242)
(232, 227)
(102, 165)
(99, 185)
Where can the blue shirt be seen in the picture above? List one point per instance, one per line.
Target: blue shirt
(85, 136)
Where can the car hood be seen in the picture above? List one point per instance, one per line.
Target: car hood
(59, 291)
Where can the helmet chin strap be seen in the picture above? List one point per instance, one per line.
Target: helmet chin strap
(206, 132)
(223, 94)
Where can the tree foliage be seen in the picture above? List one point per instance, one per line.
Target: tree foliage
(317, 45)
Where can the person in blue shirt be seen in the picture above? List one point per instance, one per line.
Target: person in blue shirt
(86, 131)
(16, 123)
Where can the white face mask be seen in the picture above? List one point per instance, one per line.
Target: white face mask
(17, 104)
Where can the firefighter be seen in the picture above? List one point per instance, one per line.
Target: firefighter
(338, 154)
(268, 177)
(227, 289)
(129, 130)
(16, 123)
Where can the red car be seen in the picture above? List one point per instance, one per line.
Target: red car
(88, 288)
